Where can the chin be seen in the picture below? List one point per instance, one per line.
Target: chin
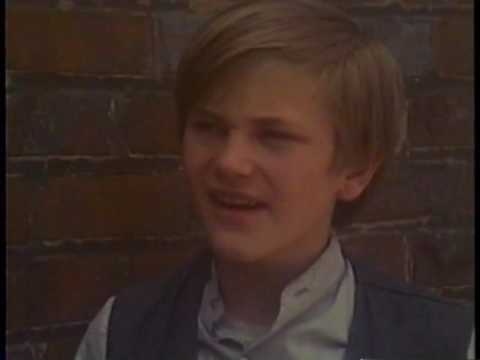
(233, 248)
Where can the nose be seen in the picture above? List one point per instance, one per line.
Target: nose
(235, 158)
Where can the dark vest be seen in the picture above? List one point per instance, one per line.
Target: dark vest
(158, 320)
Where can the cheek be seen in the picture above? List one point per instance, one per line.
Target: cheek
(307, 187)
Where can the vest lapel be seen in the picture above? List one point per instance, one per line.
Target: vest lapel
(360, 340)
(182, 343)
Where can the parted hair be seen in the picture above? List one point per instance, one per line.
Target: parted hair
(362, 81)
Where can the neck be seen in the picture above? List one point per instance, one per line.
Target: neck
(252, 291)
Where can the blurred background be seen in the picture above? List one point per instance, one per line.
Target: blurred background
(96, 199)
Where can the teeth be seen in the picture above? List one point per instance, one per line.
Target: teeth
(233, 200)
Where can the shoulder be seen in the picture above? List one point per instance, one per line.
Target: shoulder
(147, 292)
(161, 289)
(383, 287)
(142, 314)
(406, 318)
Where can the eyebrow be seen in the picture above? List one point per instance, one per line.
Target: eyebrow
(209, 113)
(267, 121)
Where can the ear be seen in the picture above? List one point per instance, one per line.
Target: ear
(356, 181)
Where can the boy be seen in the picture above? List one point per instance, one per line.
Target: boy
(286, 108)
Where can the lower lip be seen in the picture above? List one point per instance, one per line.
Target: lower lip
(236, 217)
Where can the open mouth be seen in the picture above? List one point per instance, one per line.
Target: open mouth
(235, 201)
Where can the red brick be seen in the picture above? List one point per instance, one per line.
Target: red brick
(398, 34)
(175, 28)
(120, 206)
(73, 288)
(62, 349)
(452, 42)
(129, 4)
(176, 45)
(405, 4)
(409, 191)
(444, 118)
(17, 293)
(32, 3)
(21, 195)
(436, 4)
(443, 259)
(20, 108)
(207, 6)
(154, 264)
(348, 4)
(96, 166)
(109, 4)
(462, 293)
(62, 123)
(180, 21)
(386, 252)
(20, 352)
(110, 43)
(149, 124)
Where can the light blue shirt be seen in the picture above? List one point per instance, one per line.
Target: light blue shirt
(313, 322)
(315, 316)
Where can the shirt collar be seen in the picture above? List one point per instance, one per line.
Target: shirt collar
(316, 284)
(319, 278)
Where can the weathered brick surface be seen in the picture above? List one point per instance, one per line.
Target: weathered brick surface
(21, 167)
(21, 195)
(111, 206)
(69, 122)
(78, 42)
(93, 166)
(17, 289)
(175, 29)
(149, 123)
(32, 3)
(408, 38)
(207, 6)
(462, 293)
(452, 42)
(19, 113)
(437, 4)
(442, 118)
(22, 352)
(409, 191)
(73, 287)
(95, 200)
(410, 5)
(128, 4)
(157, 263)
(443, 259)
(397, 32)
(63, 349)
(373, 249)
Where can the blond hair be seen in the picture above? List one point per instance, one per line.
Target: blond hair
(364, 87)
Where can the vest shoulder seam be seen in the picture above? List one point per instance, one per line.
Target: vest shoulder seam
(399, 290)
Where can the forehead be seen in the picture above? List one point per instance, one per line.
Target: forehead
(270, 89)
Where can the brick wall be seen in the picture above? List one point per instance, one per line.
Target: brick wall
(95, 198)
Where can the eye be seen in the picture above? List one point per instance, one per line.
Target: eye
(206, 127)
(276, 136)
(202, 125)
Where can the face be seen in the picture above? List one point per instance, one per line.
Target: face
(258, 155)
